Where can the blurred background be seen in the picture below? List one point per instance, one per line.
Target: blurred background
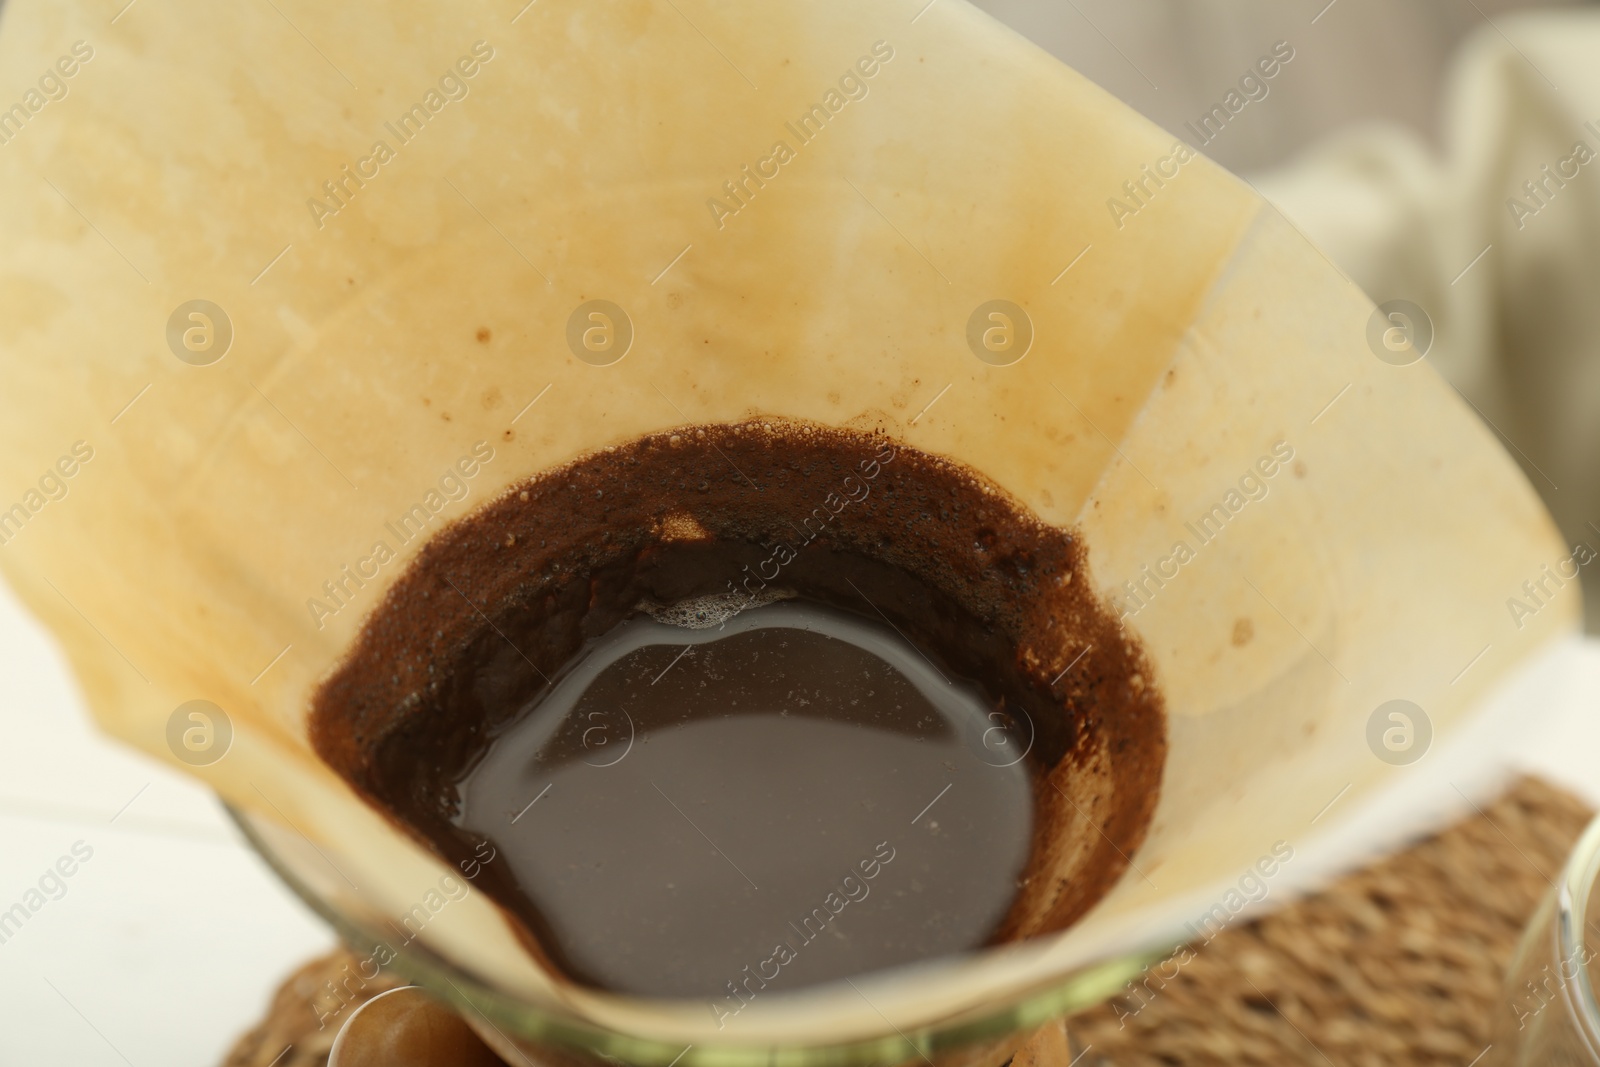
(1361, 61)
(1394, 138)
(1397, 138)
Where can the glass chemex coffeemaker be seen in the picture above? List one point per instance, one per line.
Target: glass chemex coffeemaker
(755, 558)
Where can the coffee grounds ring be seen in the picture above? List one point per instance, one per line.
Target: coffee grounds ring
(501, 601)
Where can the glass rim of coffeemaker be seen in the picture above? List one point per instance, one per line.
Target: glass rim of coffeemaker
(1081, 988)
(1579, 883)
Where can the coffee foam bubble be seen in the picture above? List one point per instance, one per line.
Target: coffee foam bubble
(714, 609)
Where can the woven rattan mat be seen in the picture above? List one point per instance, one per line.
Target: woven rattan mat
(1397, 964)
(1400, 963)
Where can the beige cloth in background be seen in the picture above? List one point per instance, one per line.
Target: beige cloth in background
(1473, 100)
(1517, 331)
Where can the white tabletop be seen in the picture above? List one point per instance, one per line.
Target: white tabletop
(169, 939)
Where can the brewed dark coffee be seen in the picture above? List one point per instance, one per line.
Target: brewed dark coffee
(793, 796)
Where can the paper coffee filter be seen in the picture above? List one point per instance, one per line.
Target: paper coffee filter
(1174, 352)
